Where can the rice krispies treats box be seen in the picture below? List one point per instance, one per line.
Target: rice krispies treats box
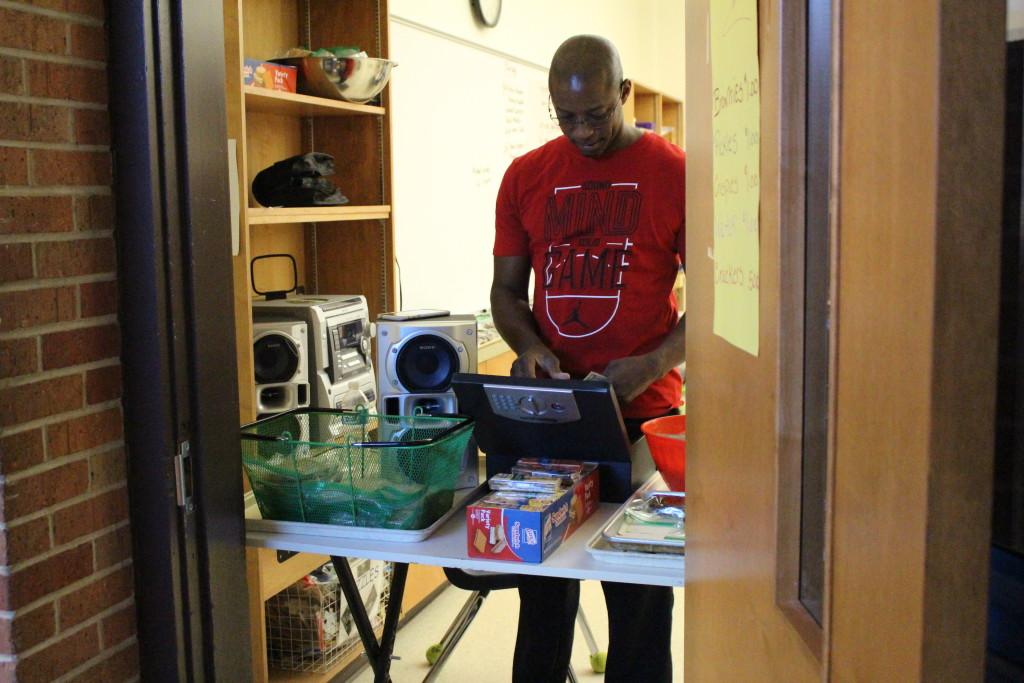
(519, 528)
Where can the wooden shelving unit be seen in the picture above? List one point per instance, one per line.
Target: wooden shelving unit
(296, 104)
(338, 250)
(646, 105)
(323, 214)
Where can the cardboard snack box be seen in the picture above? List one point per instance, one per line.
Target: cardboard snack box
(506, 525)
(269, 75)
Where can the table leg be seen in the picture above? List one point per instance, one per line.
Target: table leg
(377, 652)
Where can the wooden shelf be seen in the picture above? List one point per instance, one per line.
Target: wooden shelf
(293, 104)
(317, 214)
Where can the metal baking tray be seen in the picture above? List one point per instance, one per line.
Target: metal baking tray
(253, 522)
(602, 549)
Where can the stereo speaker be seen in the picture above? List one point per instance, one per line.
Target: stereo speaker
(281, 365)
(416, 360)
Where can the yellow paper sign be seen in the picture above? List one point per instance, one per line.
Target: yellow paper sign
(736, 136)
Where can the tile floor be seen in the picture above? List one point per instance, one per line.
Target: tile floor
(485, 653)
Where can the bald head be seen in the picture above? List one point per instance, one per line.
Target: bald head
(587, 92)
(585, 61)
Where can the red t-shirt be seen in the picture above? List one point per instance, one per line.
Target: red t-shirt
(605, 237)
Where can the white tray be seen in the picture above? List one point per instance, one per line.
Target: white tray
(601, 550)
(253, 522)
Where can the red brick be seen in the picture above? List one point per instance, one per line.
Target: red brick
(30, 31)
(19, 357)
(118, 627)
(89, 42)
(34, 122)
(33, 307)
(101, 384)
(54, 661)
(21, 451)
(13, 166)
(92, 8)
(90, 600)
(92, 127)
(46, 489)
(12, 80)
(21, 215)
(35, 581)
(108, 468)
(123, 665)
(98, 298)
(28, 540)
(68, 258)
(83, 433)
(114, 547)
(83, 345)
(94, 212)
(89, 516)
(15, 262)
(27, 402)
(32, 628)
(67, 82)
(6, 645)
(64, 167)
(5, 594)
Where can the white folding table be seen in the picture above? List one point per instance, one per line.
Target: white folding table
(446, 547)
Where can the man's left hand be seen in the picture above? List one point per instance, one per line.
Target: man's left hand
(630, 376)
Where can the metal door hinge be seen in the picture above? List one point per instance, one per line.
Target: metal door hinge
(183, 477)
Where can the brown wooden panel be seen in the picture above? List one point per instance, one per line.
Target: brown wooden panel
(353, 22)
(356, 143)
(279, 239)
(918, 209)
(350, 261)
(270, 138)
(271, 27)
(734, 630)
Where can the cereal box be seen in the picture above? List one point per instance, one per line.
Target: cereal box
(508, 525)
(269, 75)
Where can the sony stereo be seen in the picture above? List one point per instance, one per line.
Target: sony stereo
(417, 358)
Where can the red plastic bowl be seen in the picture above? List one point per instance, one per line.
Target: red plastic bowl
(666, 439)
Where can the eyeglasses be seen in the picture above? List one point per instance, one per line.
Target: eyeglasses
(595, 120)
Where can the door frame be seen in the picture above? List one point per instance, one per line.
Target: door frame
(174, 272)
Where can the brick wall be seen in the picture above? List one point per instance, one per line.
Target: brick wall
(66, 605)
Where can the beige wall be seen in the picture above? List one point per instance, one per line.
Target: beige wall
(648, 33)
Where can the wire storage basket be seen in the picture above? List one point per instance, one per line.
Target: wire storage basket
(355, 468)
(309, 624)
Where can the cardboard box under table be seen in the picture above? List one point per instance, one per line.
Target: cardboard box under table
(526, 533)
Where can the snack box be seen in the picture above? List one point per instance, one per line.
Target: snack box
(507, 525)
(269, 75)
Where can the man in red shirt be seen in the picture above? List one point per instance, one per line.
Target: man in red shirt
(598, 215)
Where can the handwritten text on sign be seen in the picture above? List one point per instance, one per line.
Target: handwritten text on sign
(736, 136)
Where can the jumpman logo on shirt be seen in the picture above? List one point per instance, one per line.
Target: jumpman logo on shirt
(574, 317)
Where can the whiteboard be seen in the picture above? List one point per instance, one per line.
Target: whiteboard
(460, 113)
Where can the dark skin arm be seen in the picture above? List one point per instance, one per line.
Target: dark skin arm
(510, 307)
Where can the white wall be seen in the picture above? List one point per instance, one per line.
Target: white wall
(442, 238)
(648, 33)
(1014, 18)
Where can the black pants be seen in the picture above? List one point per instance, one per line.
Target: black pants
(639, 627)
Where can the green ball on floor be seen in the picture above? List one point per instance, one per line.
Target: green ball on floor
(598, 661)
(433, 652)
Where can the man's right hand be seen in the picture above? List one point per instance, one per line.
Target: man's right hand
(539, 356)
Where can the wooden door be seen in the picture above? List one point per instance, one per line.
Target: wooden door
(916, 195)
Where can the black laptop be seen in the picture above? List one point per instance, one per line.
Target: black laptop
(517, 417)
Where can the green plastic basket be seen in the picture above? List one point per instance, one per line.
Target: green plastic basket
(355, 468)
